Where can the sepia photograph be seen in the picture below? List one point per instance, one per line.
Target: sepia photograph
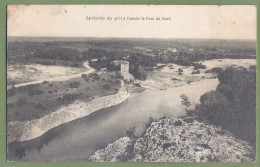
(131, 83)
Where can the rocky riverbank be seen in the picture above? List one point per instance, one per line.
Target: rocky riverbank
(178, 140)
(27, 130)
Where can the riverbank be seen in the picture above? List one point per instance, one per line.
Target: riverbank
(23, 131)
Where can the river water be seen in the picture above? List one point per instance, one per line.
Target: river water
(79, 139)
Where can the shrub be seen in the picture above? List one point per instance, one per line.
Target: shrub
(131, 133)
(74, 84)
(84, 76)
(35, 92)
(94, 76)
(150, 121)
(40, 107)
(117, 82)
(67, 98)
(217, 70)
(138, 85)
(180, 71)
(107, 87)
(198, 66)
(118, 75)
(45, 82)
(21, 101)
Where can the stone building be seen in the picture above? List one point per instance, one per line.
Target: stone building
(124, 67)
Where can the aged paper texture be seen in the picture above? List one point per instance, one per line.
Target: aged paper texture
(152, 83)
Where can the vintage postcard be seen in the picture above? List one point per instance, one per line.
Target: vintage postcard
(120, 83)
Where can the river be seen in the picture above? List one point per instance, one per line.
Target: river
(79, 139)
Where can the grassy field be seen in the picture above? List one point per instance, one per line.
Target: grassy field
(34, 101)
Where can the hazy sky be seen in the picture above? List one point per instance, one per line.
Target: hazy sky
(224, 22)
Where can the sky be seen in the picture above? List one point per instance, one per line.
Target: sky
(190, 21)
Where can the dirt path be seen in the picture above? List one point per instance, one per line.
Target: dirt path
(61, 78)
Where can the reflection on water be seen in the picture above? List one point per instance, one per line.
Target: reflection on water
(79, 139)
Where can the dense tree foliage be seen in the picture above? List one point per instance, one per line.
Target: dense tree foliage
(233, 105)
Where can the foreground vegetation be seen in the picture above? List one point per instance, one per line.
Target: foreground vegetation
(232, 106)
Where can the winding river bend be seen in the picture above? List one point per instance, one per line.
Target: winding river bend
(79, 139)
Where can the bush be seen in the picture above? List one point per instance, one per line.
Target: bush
(85, 77)
(67, 98)
(131, 133)
(35, 92)
(138, 85)
(40, 107)
(107, 87)
(45, 82)
(94, 76)
(74, 84)
(118, 75)
(198, 66)
(150, 121)
(180, 71)
(175, 79)
(217, 70)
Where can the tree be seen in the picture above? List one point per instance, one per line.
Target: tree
(232, 106)
(180, 71)
(141, 73)
(185, 100)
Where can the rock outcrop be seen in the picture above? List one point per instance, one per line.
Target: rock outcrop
(178, 140)
(27, 130)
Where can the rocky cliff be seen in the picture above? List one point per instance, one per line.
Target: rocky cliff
(27, 130)
(178, 140)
